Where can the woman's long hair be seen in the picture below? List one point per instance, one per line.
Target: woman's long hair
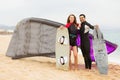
(75, 21)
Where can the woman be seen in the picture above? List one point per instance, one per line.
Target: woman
(72, 29)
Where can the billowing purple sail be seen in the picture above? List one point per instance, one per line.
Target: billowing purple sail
(109, 45)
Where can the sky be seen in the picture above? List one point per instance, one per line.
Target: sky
(105, 13)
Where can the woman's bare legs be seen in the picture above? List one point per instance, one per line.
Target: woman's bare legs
(75, 52)
(70, 63)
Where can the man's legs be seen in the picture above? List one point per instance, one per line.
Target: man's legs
(85, 57)
(86, 62)
(89, 62)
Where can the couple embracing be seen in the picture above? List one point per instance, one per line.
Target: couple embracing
(83, 29)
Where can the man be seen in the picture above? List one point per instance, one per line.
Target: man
(85, 43)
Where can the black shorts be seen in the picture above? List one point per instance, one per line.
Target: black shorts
(73, 41)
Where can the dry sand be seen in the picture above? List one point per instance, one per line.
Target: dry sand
(42, 68)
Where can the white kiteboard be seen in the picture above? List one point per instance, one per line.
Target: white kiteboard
(62, 49)
(100, 51)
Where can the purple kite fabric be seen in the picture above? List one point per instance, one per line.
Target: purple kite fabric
(109, 45)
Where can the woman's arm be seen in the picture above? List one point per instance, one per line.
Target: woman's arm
(62, 27)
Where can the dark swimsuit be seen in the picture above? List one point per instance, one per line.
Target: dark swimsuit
(72, 34)
(85, 44)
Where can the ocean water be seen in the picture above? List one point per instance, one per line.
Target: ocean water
(113, 35)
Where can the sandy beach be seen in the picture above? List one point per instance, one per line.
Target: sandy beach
(43, 68)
